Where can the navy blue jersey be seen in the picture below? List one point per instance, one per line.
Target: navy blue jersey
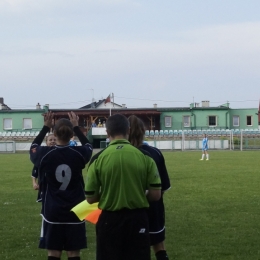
(156, 154)
(35, 172)
(35, 175)
(156, 212)
(60, 177)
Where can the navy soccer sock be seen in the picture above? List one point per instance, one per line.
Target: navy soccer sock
(161, 255)
(53, 258)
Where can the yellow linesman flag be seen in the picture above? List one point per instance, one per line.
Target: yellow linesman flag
(83, 209)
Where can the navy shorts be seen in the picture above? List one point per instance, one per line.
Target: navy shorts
(68, 237)
(156, 214)
(123, 234)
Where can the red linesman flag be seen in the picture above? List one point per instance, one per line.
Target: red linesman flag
(108, 100)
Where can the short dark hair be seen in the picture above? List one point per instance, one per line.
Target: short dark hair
(63, 129)
(117, 125)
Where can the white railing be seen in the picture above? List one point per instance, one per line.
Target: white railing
(7, 147)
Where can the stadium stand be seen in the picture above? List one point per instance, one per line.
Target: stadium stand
(161, 133)
(166, 133)
(156, 133)
(170, 133)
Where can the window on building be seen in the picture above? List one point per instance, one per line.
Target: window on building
(168, 121)
(8, 123)
(235, 120)
(186, 121)
(212, 121)
(27, 123)
(249, 120)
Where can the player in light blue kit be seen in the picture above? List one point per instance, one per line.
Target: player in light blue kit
(205, 148)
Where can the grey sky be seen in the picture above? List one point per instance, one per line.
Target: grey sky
(64, 53)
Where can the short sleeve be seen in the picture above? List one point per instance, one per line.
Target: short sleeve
(92, 185)
(154, 180)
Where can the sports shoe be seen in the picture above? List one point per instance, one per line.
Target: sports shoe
(207, 159)
(201, 159)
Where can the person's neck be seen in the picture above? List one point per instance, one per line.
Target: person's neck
(62, 143)
(117, 137)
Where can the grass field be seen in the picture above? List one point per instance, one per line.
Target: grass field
(212, 209)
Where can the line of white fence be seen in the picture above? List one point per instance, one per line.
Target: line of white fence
(231, 142)
(189, 144)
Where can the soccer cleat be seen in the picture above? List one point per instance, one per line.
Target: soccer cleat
(207, 159)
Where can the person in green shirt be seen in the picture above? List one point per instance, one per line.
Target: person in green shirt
(122, 179)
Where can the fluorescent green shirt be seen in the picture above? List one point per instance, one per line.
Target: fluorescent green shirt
(121, 174)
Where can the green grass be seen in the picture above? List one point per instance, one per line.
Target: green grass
(212, 209)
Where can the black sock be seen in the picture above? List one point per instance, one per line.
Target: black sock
(161, 255)
(53, 258)
(74, 258)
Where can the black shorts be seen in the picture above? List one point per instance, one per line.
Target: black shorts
(68, 237)
(156, 214)
(39, 197)
(123, 235)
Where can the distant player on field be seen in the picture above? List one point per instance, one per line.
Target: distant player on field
(205, 148)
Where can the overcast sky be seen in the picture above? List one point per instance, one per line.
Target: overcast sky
(67, 52)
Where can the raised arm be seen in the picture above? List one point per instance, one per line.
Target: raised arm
(74, 119)
(46, 128)
(34, 155)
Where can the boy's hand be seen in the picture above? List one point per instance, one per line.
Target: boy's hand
(74, 119)
(36, 186)
(48, 119)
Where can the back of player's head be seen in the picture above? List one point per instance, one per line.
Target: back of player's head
(137, 131)
(117, 125)
(63, 129)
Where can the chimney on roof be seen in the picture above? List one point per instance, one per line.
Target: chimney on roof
(192, 105)
(155, 105)
(2, 105)
(46, 107)
(123, 105)
(38, 106)
(205, 103)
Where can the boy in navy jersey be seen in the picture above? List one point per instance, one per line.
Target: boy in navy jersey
(156, 211)
(50, 141)
(62, 187)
